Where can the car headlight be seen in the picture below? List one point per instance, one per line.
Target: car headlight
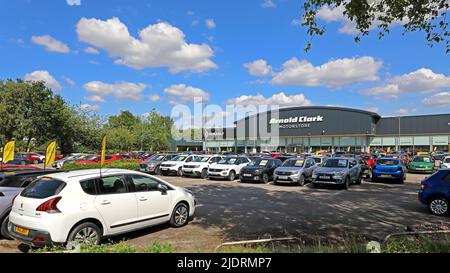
(314, 175)
(257, 172)
(339, 174)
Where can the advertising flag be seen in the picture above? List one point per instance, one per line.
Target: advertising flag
(50, 153)
(8, 151)
(102, 161)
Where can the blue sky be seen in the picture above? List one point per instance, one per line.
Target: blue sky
(238, 52)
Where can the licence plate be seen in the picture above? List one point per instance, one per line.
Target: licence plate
(283, 177)
(247, 175)
(420, 169)
(385, 175)
(164, 169)
(22, 231)
(187, 171)
(324, 177)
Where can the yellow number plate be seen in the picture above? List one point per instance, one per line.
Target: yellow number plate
(22, 231)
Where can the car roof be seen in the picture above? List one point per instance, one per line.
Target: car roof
(82, 174)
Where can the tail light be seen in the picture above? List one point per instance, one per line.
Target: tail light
(423, 186)
(49, 206)
(399, 169)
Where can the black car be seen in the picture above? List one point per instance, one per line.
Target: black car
(259, 170)
(366, 170)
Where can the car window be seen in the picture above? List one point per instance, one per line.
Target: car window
(88, 186)
(43, 188)
(144, 183)
(336, 163)
(112, 185)
(387, 161)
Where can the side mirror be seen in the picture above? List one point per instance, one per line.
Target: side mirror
(163, 189)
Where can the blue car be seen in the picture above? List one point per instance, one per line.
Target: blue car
(389, 168)
(435, 192)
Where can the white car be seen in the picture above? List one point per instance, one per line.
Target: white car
(228, 168)
(199, 166)
(446, 162)
(84, 207)
(175, 165)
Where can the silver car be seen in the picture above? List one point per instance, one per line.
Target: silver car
(340, 171)
(295, 170)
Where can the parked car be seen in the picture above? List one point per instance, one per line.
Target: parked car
(11, 184)
(446, 162)
(295, 170)
(8, 168)
(421, 164)
(59, 164)
(96, 160)
(199, 166)
(228, 167)
(435, 192)
(152, 165)
(175, 165)
(341, 171)
(369, 159)
(48, 212)
(319, 159)
(366, 169)
(259, 170)
(19, 161)
(389, 168)
(32, 158)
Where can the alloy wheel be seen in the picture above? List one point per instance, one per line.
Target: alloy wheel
(439, 207)
(86, 235)
(181, 215)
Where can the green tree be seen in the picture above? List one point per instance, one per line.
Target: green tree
(159, 131)
(124, 119)
(428, 16)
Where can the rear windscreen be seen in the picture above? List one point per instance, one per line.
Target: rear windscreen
(43, 188)
(387, 162)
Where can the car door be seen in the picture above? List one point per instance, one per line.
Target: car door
(308, 167)
(116, 203)
(354, 169)
(153, 206)
(241, 164)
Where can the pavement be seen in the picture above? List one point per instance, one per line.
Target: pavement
(230, 211)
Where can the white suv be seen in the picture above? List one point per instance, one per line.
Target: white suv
(228, 167)
(199, 166)
(84, 206)
(175, 165)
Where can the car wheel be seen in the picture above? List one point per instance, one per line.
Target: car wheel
(346, 183)
(359, 180)
(36, 162)
(180, 215)
(265, 178)
(301, 182)
(179, 172)
(85, 233)
(438, 206)
(204, 173)
(4, 228)
(231, 176)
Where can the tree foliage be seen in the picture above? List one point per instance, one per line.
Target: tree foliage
(428, 16)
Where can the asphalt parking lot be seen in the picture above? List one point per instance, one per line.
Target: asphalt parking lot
(229, 211)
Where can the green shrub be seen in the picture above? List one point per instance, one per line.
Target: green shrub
(417, 245)
(158, 247)
(125, 164)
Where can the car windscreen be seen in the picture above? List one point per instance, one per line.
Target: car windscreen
(157, 158)
(365, 157)
(201, 159)
(294, 163)
(179, 158)
(422, 159)
(387, 162)
(259, 162)
(43, 188)
(336, 163)
(317, 159)
(229, 161)
(12, 181)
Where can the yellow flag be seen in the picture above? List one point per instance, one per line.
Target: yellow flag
(310, 149)
(102, 160)
(389, 150)
(50, 153)
(8, 151)
(349, 148)
(368, 149)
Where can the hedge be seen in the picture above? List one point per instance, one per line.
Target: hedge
(126, 164)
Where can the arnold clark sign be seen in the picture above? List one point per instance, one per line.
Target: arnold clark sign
(296, 122)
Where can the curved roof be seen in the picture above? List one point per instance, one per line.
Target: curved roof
(373, 114)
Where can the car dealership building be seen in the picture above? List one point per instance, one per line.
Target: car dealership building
(312, 128)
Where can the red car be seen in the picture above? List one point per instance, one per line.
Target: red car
(96, 160)
(369, 159)
(5, 168)
(32, 158)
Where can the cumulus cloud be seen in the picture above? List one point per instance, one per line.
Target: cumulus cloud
(89, 108)
(258, 68)
(95, 98)
(267, 4)
(279, 99)
(182, 93)
(91, 50)
(439, 99)
(335, 73)
(158, 45)
(154, 98)
(50, 44)
(404, 111)
(44, 76)
(210, 23)
(121, 90)
(422, 80)
(73, 2)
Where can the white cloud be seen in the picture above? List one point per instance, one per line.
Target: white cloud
(89, 108)
(258, 68)
(335, 73)
(296, 22)
(154, 98)
(44, 76)
(73, 2)
(404, 111)
(181, 93)
(91, 50)
(95, 98)
(159, 45)
(210, 23)
(50, 44)
(94, 62)
(69, 81)
(121, 90)
(422, 80)
(268, 4)
(280, 99)
(439, 100)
